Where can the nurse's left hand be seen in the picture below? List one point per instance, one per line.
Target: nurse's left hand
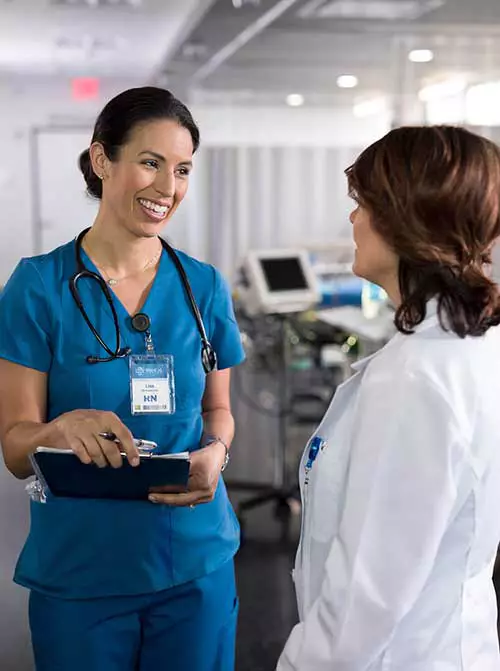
(204, 474)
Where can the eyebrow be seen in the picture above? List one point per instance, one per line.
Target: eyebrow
(162, 158)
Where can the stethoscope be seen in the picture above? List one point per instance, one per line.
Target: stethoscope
(141, 321)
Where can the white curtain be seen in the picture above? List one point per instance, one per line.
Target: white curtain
(244, 198)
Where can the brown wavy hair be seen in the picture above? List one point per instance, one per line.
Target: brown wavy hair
(433, 193)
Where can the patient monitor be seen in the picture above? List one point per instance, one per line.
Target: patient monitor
(278, 281)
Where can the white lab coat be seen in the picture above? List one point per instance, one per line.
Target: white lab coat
(401, 516)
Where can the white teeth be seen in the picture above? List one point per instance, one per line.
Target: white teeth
(160, 209)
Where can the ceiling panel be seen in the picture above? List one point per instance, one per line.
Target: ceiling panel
(93, 37)
(304, 51)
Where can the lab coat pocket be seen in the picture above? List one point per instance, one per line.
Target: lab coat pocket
(327, 491)
(326, 500)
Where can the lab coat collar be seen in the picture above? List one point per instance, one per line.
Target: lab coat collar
(431, 316)
(431, 319)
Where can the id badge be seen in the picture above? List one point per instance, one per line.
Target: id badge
(152, 388)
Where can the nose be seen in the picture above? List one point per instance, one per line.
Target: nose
(165, 183)
(352, 216)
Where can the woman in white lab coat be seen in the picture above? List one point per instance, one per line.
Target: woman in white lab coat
(401, 482)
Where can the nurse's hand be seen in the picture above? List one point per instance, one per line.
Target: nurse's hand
(79, 430)
(204, 474)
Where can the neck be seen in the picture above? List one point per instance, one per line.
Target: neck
(117, 250)
(391, 287)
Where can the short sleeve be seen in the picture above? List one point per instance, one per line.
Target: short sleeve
(225, 336)
(25, 319)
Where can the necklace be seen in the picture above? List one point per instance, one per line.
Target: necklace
(112, 281)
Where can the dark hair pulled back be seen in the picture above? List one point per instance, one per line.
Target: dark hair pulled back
(122, 115)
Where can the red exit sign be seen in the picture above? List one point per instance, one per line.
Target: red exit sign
(84, 88)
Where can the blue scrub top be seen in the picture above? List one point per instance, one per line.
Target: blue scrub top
(94, 548)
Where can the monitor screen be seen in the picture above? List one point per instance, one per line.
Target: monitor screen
(284, 274)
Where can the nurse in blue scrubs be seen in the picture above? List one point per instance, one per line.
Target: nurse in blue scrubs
(126, 585)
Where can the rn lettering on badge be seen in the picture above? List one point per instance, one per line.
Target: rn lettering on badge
(150, 398)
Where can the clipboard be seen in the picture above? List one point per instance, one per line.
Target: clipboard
(63, 474)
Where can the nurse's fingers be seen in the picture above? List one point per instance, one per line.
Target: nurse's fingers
(169, 489)
(111, 451)
(78, 447)
(178, 500)
(94, 449)
(124, 436)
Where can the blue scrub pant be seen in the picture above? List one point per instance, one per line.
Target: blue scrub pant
(190, 627)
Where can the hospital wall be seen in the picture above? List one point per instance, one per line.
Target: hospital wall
(28, 103)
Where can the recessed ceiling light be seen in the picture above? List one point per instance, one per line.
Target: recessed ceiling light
(295, 99)
(421, 56)
(347, 81)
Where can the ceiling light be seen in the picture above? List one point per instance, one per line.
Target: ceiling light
(347, 81)
(421, 56)
(295, 100)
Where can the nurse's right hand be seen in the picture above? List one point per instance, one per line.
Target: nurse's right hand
(79, 430)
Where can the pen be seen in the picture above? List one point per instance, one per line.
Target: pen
(142, 444)
(316, 444)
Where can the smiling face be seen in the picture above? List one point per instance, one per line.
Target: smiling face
(148, 181)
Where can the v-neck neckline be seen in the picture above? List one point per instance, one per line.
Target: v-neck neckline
(120, 307)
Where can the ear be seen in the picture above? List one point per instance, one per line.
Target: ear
(100, 162)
